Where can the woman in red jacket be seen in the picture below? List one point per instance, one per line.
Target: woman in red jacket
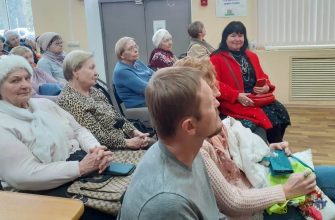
(238, 70)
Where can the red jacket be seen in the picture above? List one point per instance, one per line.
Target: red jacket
(229, 104)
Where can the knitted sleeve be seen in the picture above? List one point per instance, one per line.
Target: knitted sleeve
(234, 201)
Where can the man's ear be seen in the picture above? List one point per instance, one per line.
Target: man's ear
(188, 126)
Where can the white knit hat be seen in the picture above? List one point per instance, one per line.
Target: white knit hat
(44, 40)
(159, 36)
(13, 62)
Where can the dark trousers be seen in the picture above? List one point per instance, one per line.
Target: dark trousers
(61, 191)
(276, 134)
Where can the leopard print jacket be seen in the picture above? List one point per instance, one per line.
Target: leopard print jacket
(97, 115)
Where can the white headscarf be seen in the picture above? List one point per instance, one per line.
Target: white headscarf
(159, 36)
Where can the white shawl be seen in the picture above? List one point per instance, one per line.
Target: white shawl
(247, 150)
(51, 142)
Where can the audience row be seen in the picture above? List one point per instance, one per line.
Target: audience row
(193, 173)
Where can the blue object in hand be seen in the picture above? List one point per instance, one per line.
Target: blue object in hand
(280, 164)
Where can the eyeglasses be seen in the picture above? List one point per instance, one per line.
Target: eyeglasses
(58, 43)
(132, 48)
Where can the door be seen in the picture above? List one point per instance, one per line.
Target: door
(177, 17)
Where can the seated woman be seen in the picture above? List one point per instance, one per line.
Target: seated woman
(91, 108)
(2, 43)
(31, 41)
(233, 190)
(39, 140)
(51, 47)
(198, 47)
(39, 79)
(162, 55)
(130, 76)
(238, 70)
(13, 40)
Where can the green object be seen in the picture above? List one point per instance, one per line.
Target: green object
(281, 208)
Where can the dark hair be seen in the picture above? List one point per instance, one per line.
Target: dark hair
(233, 27)
(2, 39)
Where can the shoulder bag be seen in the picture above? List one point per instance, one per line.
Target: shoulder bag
(258, 99)
(104, 192)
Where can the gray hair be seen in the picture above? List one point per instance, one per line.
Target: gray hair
(195, 28)
(74, 61)
(120, 46)
(10, 33)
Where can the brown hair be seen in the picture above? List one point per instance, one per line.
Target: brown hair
(171, 95)
(195, 28)
(202, 64)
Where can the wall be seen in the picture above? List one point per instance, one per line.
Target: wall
(66, 17)
(275, 63)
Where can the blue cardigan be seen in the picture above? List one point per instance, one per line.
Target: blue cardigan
(130, 82)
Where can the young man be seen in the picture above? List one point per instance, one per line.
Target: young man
(171, 181)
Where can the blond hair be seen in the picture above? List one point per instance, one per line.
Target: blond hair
(20, 50)
(202, 64)
(120, 46)
(74, 61)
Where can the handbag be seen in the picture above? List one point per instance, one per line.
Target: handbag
(262, 99)
(104, 192)
(258, 99)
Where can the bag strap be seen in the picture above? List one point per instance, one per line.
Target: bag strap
(233, 74)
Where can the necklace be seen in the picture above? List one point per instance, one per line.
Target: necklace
(244, 65)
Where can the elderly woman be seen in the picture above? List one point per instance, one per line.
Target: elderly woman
(43, 146)
(131, 75)
(51, 47)
(13, 40)
(2, 44)
(91, 108)
(233, 191)
(44, 85)
(162, 55)
(238, 70)
(198, 47)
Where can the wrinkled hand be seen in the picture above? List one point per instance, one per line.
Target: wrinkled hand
(262, 89)
(96, 159)
(137, 133)
(299, 184)
(281, 146)
(244, 99)
(137, 142)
